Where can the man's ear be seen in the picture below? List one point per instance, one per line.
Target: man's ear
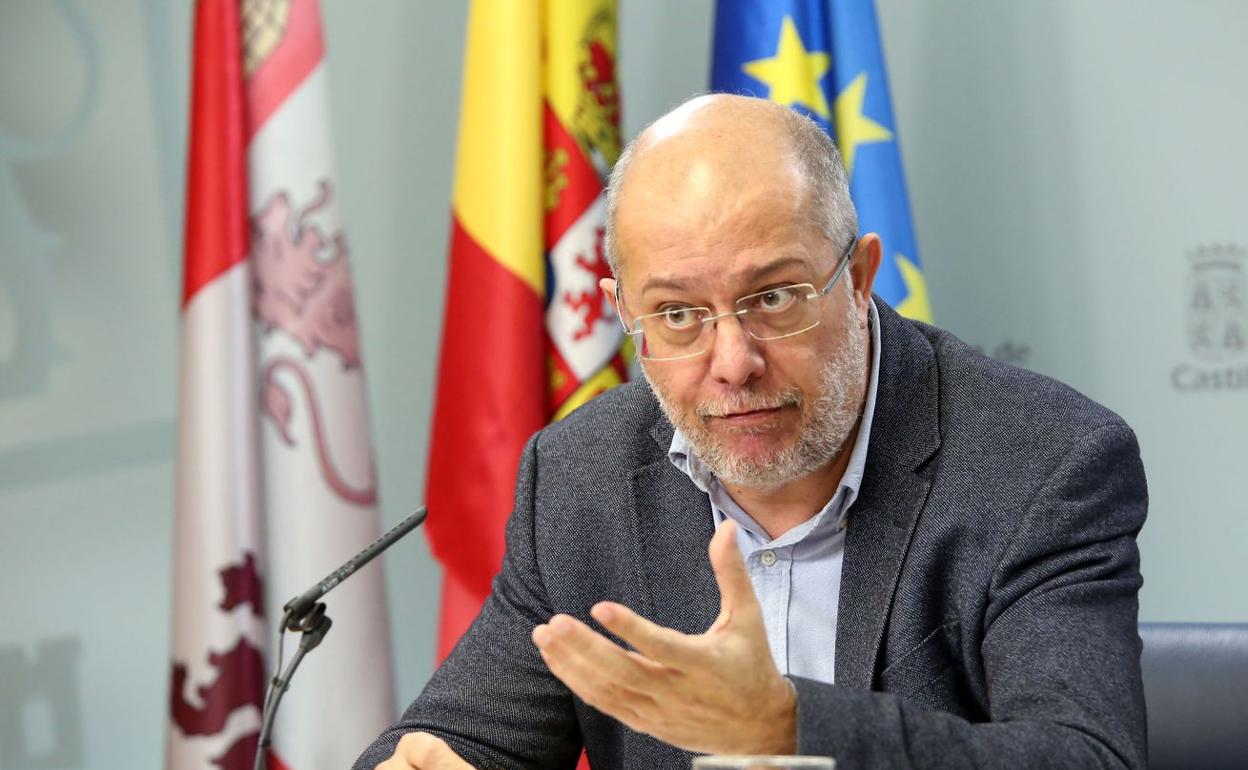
(863, 267)
(608, 288)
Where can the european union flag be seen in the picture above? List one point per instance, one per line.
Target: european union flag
(823, 59)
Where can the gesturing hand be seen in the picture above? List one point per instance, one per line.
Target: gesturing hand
(715, 692)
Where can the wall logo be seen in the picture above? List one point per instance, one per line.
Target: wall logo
(1216, 296)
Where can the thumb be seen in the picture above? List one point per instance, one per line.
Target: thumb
(736, 592)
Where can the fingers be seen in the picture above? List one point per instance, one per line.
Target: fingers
(615, 681)
(650, 639)
(736, 592)
(573, 649)
(423, 751)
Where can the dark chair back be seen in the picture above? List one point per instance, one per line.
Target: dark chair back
(1196, 689)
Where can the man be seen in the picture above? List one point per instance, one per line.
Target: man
(918, 557)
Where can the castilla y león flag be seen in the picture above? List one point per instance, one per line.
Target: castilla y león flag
(527, 336)
(275, 482)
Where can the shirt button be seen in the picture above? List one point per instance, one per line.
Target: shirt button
(769, 558)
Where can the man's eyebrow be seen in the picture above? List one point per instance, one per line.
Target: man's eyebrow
(753, 277)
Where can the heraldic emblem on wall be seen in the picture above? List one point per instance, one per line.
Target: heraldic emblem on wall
(1217, 320)
(1217, 317)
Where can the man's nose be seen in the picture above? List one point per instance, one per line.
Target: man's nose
(736, 357)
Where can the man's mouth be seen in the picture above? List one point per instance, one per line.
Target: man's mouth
(748, 417)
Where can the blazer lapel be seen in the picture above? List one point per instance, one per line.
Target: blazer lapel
(674, 527)
(905, 434)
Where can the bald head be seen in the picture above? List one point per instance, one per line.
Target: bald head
(713, 152)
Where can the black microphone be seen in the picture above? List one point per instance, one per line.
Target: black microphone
(299, 607)
(304, 613)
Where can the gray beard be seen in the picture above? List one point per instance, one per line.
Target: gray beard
(830, 419)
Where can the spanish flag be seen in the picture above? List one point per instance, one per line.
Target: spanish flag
(823, 58)
(527, 335)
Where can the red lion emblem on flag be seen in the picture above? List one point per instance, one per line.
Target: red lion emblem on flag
(311, 299)
(239, 681)
(590, 303)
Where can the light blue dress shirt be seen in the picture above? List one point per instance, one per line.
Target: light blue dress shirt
(796, 576)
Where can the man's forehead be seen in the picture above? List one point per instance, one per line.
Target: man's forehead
(696, 168)
(728, 245)
(706, 205)
(707, 151)
(708, 198)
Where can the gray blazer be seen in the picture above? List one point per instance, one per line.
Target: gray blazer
(988, 599)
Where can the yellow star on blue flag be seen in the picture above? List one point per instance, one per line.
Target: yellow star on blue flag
(823, 59)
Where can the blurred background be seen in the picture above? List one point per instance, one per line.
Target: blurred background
(1069, 164)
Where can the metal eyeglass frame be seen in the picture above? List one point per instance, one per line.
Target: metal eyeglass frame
(846, 258)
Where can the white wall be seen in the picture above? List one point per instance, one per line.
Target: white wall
(1063, 158)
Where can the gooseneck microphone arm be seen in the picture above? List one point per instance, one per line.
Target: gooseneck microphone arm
(303, 604)
(306, 614)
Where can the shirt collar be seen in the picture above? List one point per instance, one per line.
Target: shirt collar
(681, 455)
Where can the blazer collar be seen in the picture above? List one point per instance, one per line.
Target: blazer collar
(904, 437)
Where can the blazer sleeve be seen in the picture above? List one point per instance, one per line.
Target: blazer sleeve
(493, 700)
(1061, 647)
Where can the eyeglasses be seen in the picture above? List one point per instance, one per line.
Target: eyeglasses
(784, 311)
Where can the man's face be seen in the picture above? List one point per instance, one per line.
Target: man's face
(757, 414)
